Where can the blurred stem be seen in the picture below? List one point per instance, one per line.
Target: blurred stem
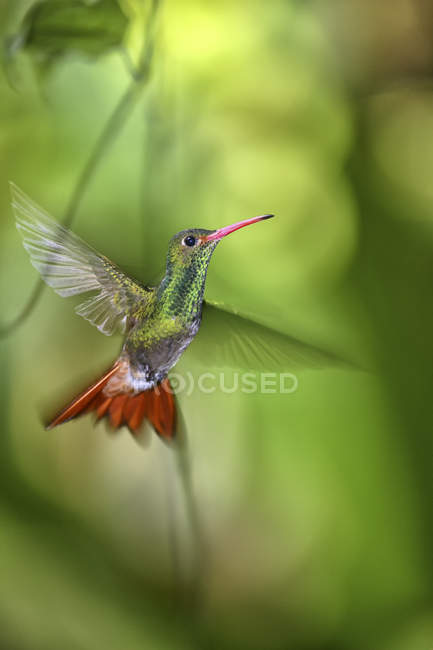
(109, 133)
(173, 537)
(183, 465)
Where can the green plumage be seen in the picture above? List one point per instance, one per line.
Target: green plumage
(165, 323)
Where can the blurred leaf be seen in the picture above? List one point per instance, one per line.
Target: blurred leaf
(55, 28)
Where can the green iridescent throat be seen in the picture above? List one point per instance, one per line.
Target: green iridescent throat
(180, 293)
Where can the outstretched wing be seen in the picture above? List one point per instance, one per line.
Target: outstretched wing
(70, 266)
(227, 339)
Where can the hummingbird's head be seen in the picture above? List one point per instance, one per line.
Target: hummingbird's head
(189, 254)
(193, 248)
(189, 249)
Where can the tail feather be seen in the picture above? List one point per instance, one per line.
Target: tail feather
(80, 404)
(115, 411)
(134, 412)
(102, 407)
(156, 405)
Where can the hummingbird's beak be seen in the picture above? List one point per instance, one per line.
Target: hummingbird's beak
(222, 232)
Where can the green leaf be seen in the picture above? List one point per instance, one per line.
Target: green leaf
(53, 29)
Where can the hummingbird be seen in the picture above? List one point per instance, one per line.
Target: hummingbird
(158, 322)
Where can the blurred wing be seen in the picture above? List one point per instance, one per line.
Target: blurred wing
(227, 339)
(70, 266)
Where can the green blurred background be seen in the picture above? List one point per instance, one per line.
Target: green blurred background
(316, 507)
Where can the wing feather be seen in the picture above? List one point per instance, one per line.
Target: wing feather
(229, 339)
(71, 267)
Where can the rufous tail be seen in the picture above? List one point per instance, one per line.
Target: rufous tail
(157, 405)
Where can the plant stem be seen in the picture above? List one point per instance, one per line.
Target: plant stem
(183, 464)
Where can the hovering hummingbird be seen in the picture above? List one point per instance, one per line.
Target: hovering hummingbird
(159, 322)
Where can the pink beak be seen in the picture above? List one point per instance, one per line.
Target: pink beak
(222, 232)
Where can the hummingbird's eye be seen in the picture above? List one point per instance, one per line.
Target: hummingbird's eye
(189, 241)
